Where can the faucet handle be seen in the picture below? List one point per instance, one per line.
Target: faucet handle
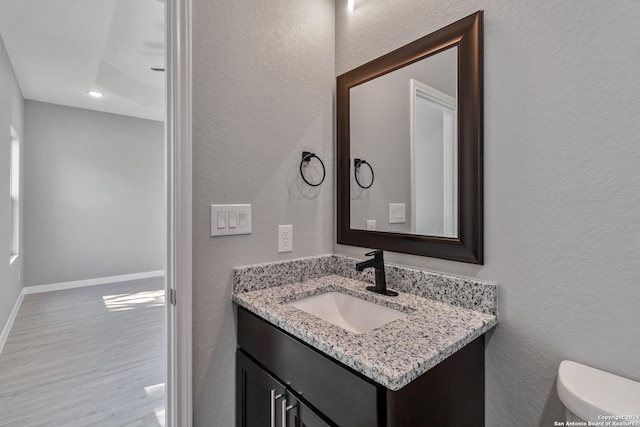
(377, 253)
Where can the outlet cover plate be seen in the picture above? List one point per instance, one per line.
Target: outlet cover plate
(285, 238)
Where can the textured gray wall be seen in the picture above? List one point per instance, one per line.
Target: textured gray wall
(562, 172)
(94, 194)
(11, 114)
(263, 78)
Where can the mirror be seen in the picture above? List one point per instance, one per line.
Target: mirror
(409, 147)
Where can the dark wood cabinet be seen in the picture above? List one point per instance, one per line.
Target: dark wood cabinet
(256, 394)
(300, 415)
(264, 401)
(273, 366)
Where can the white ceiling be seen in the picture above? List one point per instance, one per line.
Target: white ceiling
(60, 49)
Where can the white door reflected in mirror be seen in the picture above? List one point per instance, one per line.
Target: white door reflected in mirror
(434, 161)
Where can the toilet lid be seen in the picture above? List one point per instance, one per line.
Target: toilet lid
(591, 393)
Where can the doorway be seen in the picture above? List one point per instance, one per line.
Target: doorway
(434, 161)
(177, 265)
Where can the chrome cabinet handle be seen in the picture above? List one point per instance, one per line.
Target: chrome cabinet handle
(274, 397)
(285, 408)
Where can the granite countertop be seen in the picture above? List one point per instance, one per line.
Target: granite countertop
(392, 355)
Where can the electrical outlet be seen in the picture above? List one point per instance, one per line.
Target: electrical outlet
(285, 238)
(371, 224)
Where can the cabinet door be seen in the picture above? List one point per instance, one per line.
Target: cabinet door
(344, 397)
(258, 395)
(300, 415)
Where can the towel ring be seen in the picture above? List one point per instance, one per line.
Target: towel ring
(306, 158)
(356, 165)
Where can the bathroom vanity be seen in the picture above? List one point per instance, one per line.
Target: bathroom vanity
(296, 369)
(423, 365)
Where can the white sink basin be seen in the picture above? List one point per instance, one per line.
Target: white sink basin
(350, 313)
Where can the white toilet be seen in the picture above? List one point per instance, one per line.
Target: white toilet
(590, 394)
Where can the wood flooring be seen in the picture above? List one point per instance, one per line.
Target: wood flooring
(92, 356)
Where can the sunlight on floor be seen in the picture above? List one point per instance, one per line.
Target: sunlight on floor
(121, 302)
(157, 392)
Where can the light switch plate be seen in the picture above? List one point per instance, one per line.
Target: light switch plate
(237, 219)
(285, 238)
(396, 213)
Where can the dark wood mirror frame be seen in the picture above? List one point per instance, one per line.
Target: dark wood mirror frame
(466, 34)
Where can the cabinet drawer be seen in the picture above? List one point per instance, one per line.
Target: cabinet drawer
(343, 396)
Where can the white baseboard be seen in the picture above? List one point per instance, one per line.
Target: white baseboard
(12, 317)
(90, 282)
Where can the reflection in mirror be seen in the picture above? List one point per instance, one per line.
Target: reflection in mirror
(404, 124)
(434, 157)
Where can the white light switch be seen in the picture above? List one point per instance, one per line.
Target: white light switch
(233, 219)
(285, 238)
(396, 213)
(371, 224)
(230, 219)
(222, 220)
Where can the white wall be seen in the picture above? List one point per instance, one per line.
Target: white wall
(263, 78)
(11, 115)
(94, 194)
(562, 173)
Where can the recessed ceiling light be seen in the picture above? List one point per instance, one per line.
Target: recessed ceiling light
(95, 94)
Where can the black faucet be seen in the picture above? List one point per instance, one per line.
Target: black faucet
(376, 262)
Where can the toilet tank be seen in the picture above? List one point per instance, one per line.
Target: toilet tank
(597, 396)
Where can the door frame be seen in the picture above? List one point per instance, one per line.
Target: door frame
(179, 401)
(449, 106)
